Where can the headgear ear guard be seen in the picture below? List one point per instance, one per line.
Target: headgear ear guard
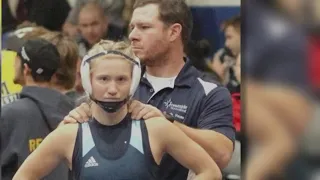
(85, 71)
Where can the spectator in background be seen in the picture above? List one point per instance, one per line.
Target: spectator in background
(93, 25)
(232, 30)
(28, 120)
(16, 40)
(65, 77)
(113, 9)
(198, 52)
(224, 58)
(11, 83)
(48, 13)
(221, 65)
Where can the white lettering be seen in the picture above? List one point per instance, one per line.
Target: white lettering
(176, 107)
(178, 116)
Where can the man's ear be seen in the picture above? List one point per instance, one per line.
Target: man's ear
(175, 31)
(26, 70)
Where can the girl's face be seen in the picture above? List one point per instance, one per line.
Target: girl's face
(111, 78)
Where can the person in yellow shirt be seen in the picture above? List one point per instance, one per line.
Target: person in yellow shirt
(9, 90)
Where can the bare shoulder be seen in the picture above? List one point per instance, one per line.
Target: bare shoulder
(159, 122)
(159, 125)
(66, 132)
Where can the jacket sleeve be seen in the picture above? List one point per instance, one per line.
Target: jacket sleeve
(12, 142)
(217, 113)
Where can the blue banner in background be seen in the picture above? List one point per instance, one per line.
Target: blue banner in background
(207, 21)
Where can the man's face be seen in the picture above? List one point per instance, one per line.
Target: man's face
(111, 78)
(149, 37)
(18, 72)
(233, 40)
(93, 26)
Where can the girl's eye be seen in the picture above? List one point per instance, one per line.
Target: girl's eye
(122, 79)
(145, 27)
(103, 78)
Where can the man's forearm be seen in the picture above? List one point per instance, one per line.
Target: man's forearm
(272, 158)
(218, 146)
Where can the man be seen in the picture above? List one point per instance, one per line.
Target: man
(111, 8)
(94, 26)
(27, 121)
(66, 74)
(12, 84)
(232, 30)
(224, 58)
(160, 29)
(16, 40)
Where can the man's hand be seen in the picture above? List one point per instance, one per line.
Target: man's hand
(139, 110)
(80, 114)
(222, 68)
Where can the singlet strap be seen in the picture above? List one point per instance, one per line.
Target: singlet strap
(87, 139)
(77, 154)
(136, 136)
(153, 166)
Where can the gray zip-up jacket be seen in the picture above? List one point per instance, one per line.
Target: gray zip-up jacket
(26, 122)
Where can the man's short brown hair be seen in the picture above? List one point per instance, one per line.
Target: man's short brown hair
(68, 50)
(170, 12)
(234, 21)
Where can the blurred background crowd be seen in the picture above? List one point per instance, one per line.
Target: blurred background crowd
(281, 51)
(214, 46)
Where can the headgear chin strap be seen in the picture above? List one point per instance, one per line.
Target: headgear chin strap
(86, 80)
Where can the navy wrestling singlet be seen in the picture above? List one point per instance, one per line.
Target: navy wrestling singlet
(118, 152)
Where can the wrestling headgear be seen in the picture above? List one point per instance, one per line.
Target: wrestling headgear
(86, 82)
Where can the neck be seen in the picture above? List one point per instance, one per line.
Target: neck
(62, 89)
(106, 118)
(38, 84)
(173, 63)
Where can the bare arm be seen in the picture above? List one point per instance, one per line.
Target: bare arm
(185, 151)
(215, 130)
(56, 147)
(291, 106)
(275, 144)
(218, 146)
(273, 124)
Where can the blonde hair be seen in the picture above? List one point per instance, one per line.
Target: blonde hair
(68, 50)
(36, 31)
(107, 45)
